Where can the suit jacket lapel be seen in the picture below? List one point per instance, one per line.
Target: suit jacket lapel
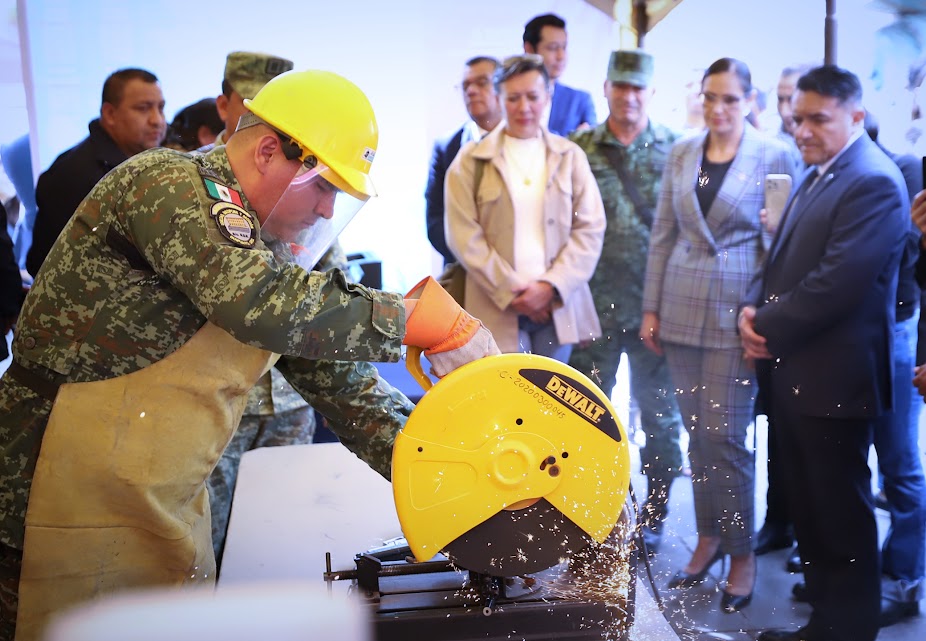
(689, 197)
(739, 177)
(793, 210)
(787, 220)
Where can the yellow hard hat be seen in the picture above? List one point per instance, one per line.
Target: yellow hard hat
(326, 116)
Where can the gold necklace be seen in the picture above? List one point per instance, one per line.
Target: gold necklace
(703, 178)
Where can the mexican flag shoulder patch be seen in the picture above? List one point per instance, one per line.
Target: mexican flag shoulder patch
(222, 192)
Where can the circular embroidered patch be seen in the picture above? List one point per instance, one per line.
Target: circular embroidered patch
(236, 224)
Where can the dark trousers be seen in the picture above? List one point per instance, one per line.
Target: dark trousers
(776, 497)
(828, 486)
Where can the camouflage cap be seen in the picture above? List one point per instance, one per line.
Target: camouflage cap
(248, 72)
(635, 67)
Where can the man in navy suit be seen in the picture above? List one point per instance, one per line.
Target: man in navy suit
(819, 320)
(570, 109)
(485, 112)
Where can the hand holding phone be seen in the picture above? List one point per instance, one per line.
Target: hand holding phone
(777, 190)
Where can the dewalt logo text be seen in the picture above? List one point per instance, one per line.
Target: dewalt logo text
(578, 401)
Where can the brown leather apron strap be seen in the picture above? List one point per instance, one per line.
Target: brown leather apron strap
(43, 387)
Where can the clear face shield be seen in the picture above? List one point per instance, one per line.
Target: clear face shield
(310, 215)
(313, 210)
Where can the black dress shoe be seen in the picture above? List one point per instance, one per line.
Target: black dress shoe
(773, 536)
(794, 563)
(799, 592)
(684, 579)
(783, 635)
(896, 611)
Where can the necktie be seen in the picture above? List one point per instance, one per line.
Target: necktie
(803, 190)
(813, 179)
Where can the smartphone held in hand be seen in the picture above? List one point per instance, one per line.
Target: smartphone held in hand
(777, 190)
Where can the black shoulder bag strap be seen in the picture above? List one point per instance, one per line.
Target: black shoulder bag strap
(643, 212)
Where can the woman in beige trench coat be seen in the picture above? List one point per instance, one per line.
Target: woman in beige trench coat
(525, 219)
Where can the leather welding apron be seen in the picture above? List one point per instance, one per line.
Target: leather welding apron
(118, 499)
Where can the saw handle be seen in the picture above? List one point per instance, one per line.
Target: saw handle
(413, 364)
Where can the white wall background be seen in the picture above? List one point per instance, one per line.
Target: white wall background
(407, 55)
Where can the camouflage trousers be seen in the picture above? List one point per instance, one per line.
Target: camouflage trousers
(296, 427)
(650, 385)
(11, 562)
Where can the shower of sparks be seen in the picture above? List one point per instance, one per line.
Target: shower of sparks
(600, 573)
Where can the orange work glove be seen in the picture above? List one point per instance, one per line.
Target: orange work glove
(449, 336)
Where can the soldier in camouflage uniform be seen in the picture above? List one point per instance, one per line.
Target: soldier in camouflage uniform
(276, 414)
(628, 140)
(163, 301)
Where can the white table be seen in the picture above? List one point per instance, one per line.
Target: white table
(292, 504)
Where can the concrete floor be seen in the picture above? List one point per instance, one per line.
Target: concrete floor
(694, 613)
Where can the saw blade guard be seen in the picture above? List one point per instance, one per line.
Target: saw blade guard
(502, 433)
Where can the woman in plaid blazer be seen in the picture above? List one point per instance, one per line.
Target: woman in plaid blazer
(706, 244)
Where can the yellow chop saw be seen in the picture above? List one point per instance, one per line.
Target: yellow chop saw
(510, 481)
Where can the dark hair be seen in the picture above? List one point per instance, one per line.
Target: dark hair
(114, 87)
(731, 65)
(833, 82)
(476, 60)
(517, 65)
(533, 28)
(184, 130)
(226, 88)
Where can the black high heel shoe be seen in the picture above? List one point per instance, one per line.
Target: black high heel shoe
(684, 579)
(731, 603)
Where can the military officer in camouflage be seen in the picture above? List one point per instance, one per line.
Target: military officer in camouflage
(627, 154)
(275, 414)
(171, 290)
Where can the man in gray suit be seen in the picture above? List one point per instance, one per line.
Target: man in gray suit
(819, 320)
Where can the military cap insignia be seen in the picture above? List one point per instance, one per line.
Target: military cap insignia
(236, 224)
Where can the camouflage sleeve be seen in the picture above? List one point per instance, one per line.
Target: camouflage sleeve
(362, 409)
(246, 291)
